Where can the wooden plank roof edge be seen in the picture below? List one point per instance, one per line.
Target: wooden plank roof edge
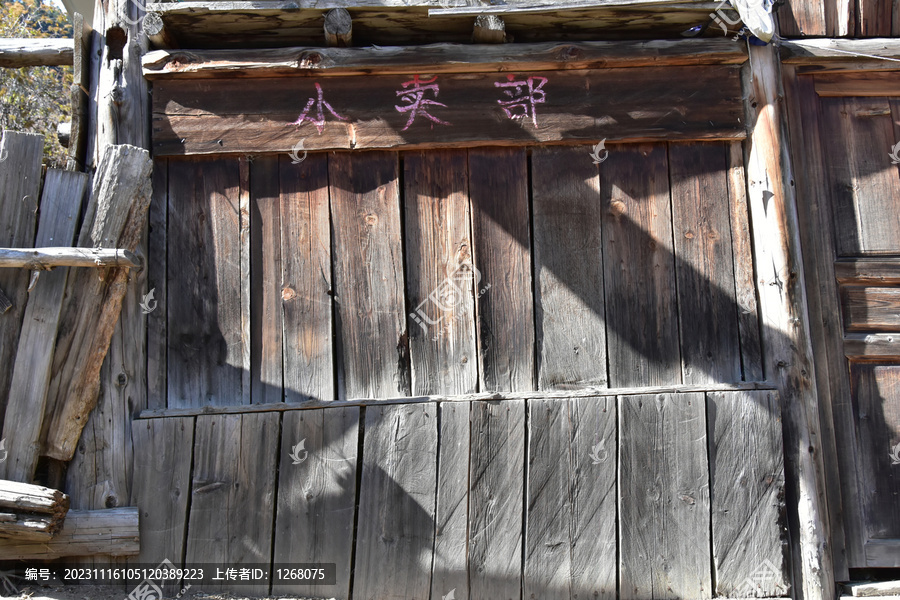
(438, 58)
(557, 394)
(433, 8)
(818, 50)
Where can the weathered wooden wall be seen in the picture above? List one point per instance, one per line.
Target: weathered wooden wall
(480, 499)
(451, 272)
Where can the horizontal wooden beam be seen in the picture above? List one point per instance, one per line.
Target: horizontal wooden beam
(827, 50)
(562, 395)
(466, 110)
(541, 6)
(867, 270)
(438, 58)
(111, 532)
(884, 553)
(866, 346)
(47, 258)
(36, 52)
(871, 84)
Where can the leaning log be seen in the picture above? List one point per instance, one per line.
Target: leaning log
(36, 52)
(111, 532)
(115, 218)
(24, 497)
(47, 258)
(26, 527)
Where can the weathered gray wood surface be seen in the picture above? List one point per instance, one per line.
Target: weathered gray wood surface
(451, 511)
(396, 503)
(664, 497)
(266, 322)
(639, 267)
(35, 52)
(45, 258)
(436, 58)
(306, 285)
(112, 532)
(870, 308)
(568, 269)
(60, 205)
(571, 512)
(18, 496)
(496, 512)
(317, 495)
(368, 275)
(440, 278)
(749, 530)
(115, 218)
(161, 488)
(501, 238)
(20, 188)
(157, 281)
(710, 344)
(205, 352)
(233, 491)
(212, 117)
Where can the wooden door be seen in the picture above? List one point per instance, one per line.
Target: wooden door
(851, 180)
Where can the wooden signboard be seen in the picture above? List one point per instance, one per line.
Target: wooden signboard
(421, 110)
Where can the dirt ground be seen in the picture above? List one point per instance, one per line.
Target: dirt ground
(86, 592)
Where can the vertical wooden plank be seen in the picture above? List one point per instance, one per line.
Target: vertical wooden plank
(61, 204)
(639, 267)
(306, 279)
(876, 394)
(266, 327)
(440, 277)
(205, 346)
(317, 495)
(817, 238)
(663, 497)
(799, 19)
(744, 282)
(501, 238)
(20, 188)
(233, 491)
(594, 428)
(548, 530)
(395, 531)
(710, 351)
(157, 261)
(496, 483)
(747, 488)
(245, 260)
(875, 18)
(571, 518)
(162, 483)
(864, 187)
(367, 256)
(451, 511)
(569, 301)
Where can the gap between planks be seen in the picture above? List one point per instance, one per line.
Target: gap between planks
(548, 394)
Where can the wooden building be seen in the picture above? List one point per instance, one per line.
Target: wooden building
(519, 300)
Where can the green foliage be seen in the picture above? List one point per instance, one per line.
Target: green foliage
(35, 99)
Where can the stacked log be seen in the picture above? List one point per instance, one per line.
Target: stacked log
(31, 512)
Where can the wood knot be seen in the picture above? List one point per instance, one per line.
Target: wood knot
(617, 207)
(288, 293)
(371, 220)
(307, 60)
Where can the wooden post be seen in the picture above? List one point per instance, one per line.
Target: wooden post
(489, 29)
(786, 337)
(338, 28)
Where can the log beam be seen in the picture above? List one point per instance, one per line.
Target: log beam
(829, 50)
(36, 52)
(786, 333)
(112, 532)
(155, 30)
(47, 258)
(338, 28)
(437, 58)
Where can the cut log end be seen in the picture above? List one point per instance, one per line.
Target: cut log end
(338, 28)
